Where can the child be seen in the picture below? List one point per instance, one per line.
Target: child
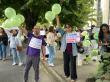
(36, 43)
(15, 45)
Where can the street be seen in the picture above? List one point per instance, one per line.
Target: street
(9, 73)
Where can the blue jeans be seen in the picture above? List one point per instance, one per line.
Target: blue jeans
(51, 54)
(16, 55)
(2, 51)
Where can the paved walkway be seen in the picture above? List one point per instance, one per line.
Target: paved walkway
(9, 73)
(84, 71)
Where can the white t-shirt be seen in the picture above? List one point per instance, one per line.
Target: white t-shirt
(14, 41)
(50, 38)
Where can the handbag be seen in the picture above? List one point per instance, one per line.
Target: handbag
(80, 48)
(19, 48)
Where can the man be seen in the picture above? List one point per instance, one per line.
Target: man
(36, 44)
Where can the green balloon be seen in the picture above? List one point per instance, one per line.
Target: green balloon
(7, 24)
(21, 18)
(56, 9)
(96, 35)
(15, 21)
(86, 37)
(86, 43)
(49, 16)
(94, 52)
(84, 33)
(10, 12)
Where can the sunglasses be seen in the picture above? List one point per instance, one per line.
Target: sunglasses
(104, 29)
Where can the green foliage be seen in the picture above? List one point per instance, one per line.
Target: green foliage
(98, 80)
(80, 12)
(106, 80)
(104, 67)
(94, 52)
(76, 12)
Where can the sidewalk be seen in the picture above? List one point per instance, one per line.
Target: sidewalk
(84, 71)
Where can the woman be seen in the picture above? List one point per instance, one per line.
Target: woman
(104, 44)
(104, 37)
(69, 54)
(3, 44)
(50, 45)
(16, 47)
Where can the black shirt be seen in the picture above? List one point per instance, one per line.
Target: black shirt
(4, 39)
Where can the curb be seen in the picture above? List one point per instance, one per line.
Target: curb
(58, 77)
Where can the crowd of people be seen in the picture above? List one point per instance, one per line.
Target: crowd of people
(46, 43)
(14, 44)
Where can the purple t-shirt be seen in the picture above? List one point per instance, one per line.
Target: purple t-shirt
(33, 51)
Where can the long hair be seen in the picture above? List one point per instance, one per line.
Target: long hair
(68, 24)
(11, 31)
(51, 29)
(4, 33)
(101, 34)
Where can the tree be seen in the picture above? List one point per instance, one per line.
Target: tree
(75, 12)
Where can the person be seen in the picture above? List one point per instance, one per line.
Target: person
(69, 55)
(104, 37)
(104, 45)
(50, 45)
(43, 33)
(36, 44)
(80, 48)
(15, 43)
(3, 44)
(58, 35)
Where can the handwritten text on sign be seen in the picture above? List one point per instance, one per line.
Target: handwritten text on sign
(73, 37)
(35, 43)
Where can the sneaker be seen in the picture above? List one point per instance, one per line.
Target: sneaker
(67, 77)
(73, 80)
(52, 65)
(20, 64)
(25, 81)
(14, 64)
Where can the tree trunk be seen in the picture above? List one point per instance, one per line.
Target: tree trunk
(30, 18)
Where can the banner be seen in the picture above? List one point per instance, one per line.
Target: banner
(73, 37)
(42, 32)
(35, 43)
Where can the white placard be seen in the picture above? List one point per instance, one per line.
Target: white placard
(73, 37)
(42, 32)
(35, 43)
